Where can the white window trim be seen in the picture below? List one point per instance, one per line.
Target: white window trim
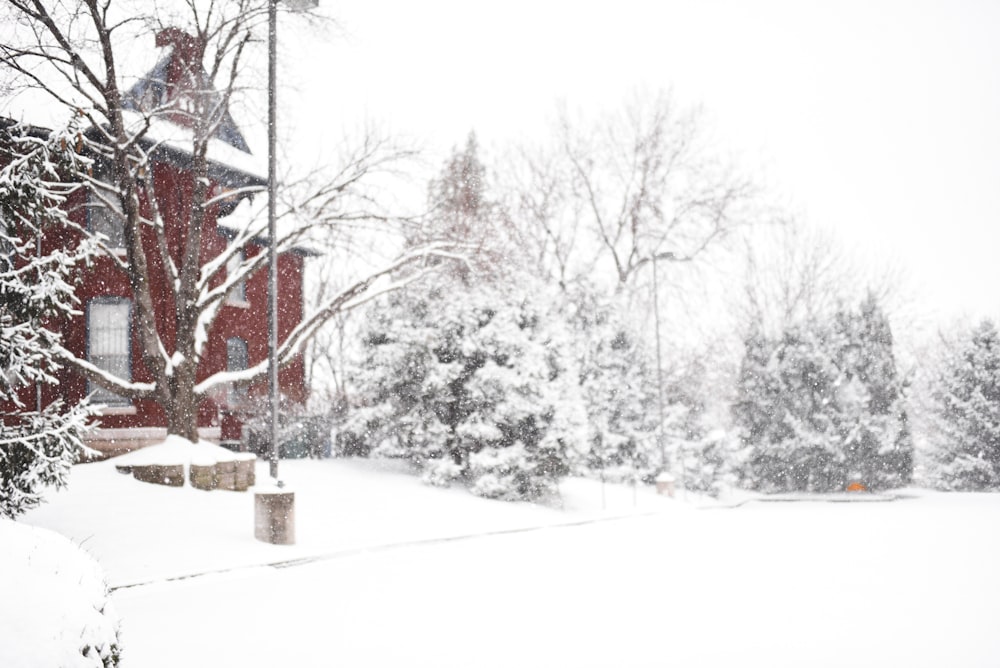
(235, 262)
(119, 403)
(95, 204)
(117, 410)
(234, 396)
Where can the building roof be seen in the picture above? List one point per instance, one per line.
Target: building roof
(158, 105)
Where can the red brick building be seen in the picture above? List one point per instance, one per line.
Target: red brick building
(105, 333)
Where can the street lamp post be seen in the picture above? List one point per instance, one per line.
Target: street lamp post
(274, 509)
(659, 366)
(272, 252)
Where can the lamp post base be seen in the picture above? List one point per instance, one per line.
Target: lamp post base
(274, 517)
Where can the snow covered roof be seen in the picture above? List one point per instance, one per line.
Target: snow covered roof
(251, 213)
(172, 142)
(227, 165)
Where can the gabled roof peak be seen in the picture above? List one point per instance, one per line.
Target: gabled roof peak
(188, 48)
(173, 84)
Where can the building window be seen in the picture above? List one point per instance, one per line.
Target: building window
(238, 294)
(237, 359)
(105, 214)
(108, 339)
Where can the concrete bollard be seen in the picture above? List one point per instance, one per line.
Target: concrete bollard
(274, 516)
(665, 485)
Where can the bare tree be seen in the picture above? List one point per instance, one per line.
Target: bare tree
(75, 52)
(616, 195)
(795, 274)
(358, 215)
(649, 187)
(543, 211)
(612, 195)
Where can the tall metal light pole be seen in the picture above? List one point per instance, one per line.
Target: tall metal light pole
(659, 365)
(272, 232)
(272, 252)
(274, 510)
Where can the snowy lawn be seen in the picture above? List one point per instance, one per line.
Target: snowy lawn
(374, 582)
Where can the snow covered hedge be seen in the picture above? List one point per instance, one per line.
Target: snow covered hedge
(56, 610)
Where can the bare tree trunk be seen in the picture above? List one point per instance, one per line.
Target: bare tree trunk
(182, 415)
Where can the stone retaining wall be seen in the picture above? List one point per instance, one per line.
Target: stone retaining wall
(237, 475)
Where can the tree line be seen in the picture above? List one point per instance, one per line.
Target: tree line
(505, 373)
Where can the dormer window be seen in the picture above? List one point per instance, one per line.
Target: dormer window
(237, 359)
(238, 293)
(105, 214)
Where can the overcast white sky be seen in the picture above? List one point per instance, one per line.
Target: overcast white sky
(876, 119)
(879, 119)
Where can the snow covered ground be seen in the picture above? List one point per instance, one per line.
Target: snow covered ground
(389, 572)
(55, 608)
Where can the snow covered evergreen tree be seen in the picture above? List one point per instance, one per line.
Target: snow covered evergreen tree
(967, 397)
(458, 195)
(787, 413)
(468, 377)
(878, 443)
(37, 447)
(470, 383)
(702, 456)
(618, 386)
(822, 406)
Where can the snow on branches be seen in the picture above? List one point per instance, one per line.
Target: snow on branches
(37, 446)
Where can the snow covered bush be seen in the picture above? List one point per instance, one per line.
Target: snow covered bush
(301, 432)
(58, 611)
(822, 406)
(470, 375)
(37, 447)
(966, 438)
(618, 387)
(512, 473)
(471, 383)
(707, 463)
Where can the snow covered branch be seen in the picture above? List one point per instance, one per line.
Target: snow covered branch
(386, 279)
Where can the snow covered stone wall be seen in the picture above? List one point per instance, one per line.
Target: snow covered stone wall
(58, 611)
